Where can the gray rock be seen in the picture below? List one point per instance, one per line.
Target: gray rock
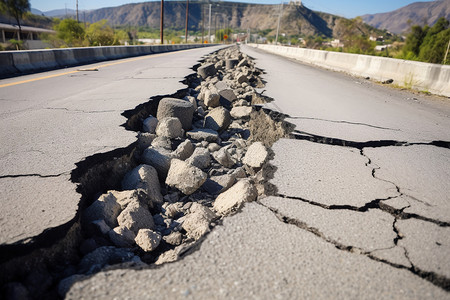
(243, 62)
(231, 63)
(239, 173)
(218, 119)
(192, 100)
(136, 216)
(197, 223)
(175, 238)
(148, 240)
(224, 158)
(256, 155)
(233, 199)
(143, 177)
(181, 109)
(149, 124)
(162, 142)
(241, 112)
(169, 127)
(121, 236)
(174, 255)
(218, 184)
(206, 70)
(185, 177)
(173, 210)
(200, 158)
(65, 284)
(184, 150)
(213, 147)
(145, 139)
(159, 158)
(241, 78)
(203, 134)
(108, 255)
(212, 97)
(101, 227)
(241, 102)
(104, 208)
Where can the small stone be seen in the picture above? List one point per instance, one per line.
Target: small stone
(185, 177)
(175, 238)
(169, 127)
(181, 109)
(121, 236)
(233, 199)
(173, 255)
(184, 150)
(239, 173)
(143, 177)
(218, 119)
(173, 210)
(192, 100)
(206, 70)
(224, 158)
(241, 112)
(149, 125)
(241, 78)
(243, 63)
(147, 239)
(159, 158)
(200, 158)
(256, 155)
(203, 134)
(136, 216)
(241, 102)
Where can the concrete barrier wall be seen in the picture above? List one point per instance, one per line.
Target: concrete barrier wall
(411, 74)
(19, 62)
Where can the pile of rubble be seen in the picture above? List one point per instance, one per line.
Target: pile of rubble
(198, 163)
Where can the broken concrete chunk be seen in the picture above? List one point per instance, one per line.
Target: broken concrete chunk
(170, 127)
(100, 226)
(213, 147)
(218, 119)
(149, 124)
(136, 216)
(231, 63)
(240, 112)
(206, 70)
(159, 158)
(121, 236)
(205, 134)
(142, 177)
(185, 177)
(200, 158)
(233, 199)
(241, 78)
(211, 97)
(219, 184)
(184, 150)
(181, 109)
(108, 255)
(256, 155)
(104, 208)
(147, 239)
(173, 255)
(175, 238)
(197, 222)
(162, 142)
(224, 158)
(145, 139)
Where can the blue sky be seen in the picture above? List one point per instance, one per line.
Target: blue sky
(346, 8)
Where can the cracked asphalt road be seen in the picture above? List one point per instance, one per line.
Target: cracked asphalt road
(48, 125)
(361, 210)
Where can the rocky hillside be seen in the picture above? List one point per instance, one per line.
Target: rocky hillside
(296, 19)
(420, 13)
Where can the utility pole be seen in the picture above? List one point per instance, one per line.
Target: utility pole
(187, 20)
(209, 26)
(203, 24)
(78, 20)
(161, 25)
(279, 20)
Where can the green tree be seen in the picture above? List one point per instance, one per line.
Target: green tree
(15, 8)
(100, 34)
(71, 32)
(435, 42)
(221, 33)
(414, 40)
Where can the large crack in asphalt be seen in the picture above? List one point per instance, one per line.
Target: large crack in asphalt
(100, 173)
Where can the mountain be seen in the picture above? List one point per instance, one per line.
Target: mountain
(296, 18)
(420, 13)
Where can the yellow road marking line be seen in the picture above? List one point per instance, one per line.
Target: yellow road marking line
(96, 67)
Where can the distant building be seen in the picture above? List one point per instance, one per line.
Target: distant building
(30, 35)
(336, 43)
